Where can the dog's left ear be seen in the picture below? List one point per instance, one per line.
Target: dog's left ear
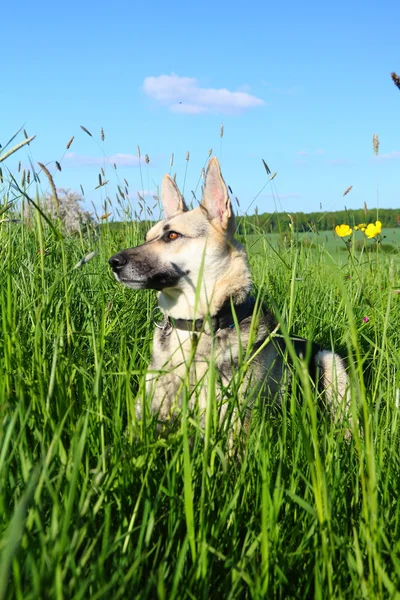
(171, 198)
(216, 199)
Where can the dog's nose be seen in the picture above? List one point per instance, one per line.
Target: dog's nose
(117, 261)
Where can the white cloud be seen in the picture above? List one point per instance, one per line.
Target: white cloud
(146, 193)
(319, 151)
(121, 160)
(188, 109)
(388, 156)
(339, 162)
(185, 95)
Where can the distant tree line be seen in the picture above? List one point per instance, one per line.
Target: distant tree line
(276, 222)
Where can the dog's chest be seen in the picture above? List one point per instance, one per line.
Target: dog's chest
(179, 350)
(182, 357)
(180, 361)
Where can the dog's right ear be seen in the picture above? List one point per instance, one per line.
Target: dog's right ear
(216, 201)
(171, 198)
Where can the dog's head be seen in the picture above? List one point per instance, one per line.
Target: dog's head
(187, 245)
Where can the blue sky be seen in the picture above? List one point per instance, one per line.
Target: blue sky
(302, 85)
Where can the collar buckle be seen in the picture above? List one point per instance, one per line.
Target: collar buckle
(164, 324)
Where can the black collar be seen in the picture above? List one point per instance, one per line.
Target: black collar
(222, 320)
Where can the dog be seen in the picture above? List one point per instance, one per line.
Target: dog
(203, 280)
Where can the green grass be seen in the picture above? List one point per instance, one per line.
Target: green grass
(94, 505)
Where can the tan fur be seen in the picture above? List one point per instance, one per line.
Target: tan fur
(198, 266)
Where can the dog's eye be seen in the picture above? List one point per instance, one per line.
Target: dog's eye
(171, 235)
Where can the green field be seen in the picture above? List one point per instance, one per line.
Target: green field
(329, 243)
(94, 505)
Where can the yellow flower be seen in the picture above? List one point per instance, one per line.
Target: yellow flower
(360, 227)
(343, 230)
(373, 229)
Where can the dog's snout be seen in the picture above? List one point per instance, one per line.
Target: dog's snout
(117, 261)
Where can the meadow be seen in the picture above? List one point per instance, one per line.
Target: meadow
(93, 504)
(327, 242)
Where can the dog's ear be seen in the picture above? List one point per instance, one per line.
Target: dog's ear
(171, 198)
(216, 199)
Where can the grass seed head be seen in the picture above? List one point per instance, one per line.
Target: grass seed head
(375, 143)
(396, 79)
(347, 190)
(86, 130)
(52, 184)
